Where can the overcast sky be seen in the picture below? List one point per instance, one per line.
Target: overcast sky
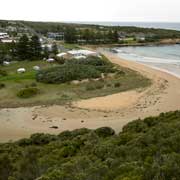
(91, 10)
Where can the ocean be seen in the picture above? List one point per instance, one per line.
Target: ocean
(163, 57)
(161, 25)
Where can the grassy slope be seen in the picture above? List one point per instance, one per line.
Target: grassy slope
(60, 93)
(144, 150)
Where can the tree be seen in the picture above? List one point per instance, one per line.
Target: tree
(7, 51)
(87, 35)
(23, 49)
(35, 47)
(46, 52)
(115, 36)
(54, 49)
(110, 36)
(70, 35)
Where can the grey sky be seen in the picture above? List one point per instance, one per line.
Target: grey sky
(91, 10)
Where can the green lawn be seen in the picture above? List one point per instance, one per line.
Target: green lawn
(62, 93)
(70, 46)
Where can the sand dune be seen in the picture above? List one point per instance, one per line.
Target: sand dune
(114, 110)
(111, 102)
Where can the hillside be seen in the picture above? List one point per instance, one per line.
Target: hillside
(87, 33)
(145, 150)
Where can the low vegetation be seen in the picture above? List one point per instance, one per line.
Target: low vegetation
(2, 85)
(28, 92)
(60, 83)
(145, 150)
(89, 68)
(3, 73)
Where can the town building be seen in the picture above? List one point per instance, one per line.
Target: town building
(56, 36)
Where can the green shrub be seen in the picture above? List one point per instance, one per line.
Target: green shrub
(104, 131)
(119, 72)
(92, 60)
(75, 69)
(82, 131)
(99, 85)
(94, 85)
(65, 135)
(33, 84)
(67, 73)
(28, 92)
(3, 73)
(60, 60)
(2, 85)
(90, 87)
(40, 138)
(117, 84)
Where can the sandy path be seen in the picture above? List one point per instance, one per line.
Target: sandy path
(114, 110)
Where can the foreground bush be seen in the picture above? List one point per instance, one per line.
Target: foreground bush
(28, 92)
(104, 132)
(145, 150)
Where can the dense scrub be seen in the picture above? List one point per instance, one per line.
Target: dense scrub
(92, 67)
(145, 150)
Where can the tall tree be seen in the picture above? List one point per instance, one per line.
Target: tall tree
(115, 36)
(46, 52)
(110, 36)
(70, 35)
(23, 48)
(35, 47)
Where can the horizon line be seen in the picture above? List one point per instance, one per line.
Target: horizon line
(90, 21)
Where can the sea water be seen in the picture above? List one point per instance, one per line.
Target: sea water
(164, 57)
(157, 25)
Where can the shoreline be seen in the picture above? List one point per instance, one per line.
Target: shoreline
(114, 110)
(154, 66)
(167, 64)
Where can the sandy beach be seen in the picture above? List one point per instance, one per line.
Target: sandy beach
(114, 110)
